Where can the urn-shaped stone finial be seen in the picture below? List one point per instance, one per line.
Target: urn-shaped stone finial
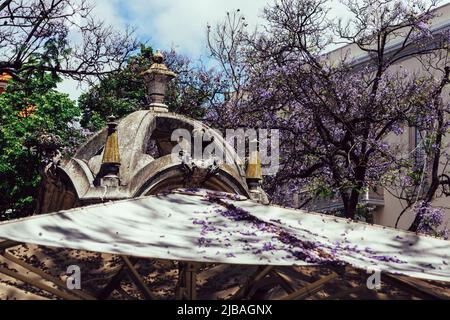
(254, 170)
(109, 171)
(156, 80)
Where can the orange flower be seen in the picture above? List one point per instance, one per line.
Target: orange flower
(4, 79)
(25, 113)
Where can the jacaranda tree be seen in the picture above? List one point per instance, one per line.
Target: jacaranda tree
(335, 112)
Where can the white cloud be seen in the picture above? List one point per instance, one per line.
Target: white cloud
(182, 23)
(71, 87)
(177, 23)
(108, 11)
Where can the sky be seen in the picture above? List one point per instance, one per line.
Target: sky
(167, 24)
(177, 24)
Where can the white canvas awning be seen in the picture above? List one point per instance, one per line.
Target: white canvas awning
(219, 228)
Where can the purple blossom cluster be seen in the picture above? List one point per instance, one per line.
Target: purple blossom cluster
(334, 119)
(213, 196)
(387, 259)
(431, 219)
(236, 214)
(308, 251)
(192, 190)
(304, 250)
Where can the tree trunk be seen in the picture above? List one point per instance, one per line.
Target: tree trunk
(429, 197)
(440, 132)
(350, 203)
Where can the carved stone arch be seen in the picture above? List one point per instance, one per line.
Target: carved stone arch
(162, 129)
(175, 178)
(57, 193)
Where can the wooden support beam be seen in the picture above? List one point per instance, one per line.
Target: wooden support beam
(7, 244)
(58, 282)
(125, 294)
(251, 281)
(137, 279)
(37, 284)
(414, 286)
(310, 289)
(265, 271)
(346, 293)
(341, 270)
(284, 280)
(262, 288)
(187, 281)
(114, 283)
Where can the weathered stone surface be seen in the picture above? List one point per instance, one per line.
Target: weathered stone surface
(146, 167)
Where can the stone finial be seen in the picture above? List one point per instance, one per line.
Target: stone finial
(254, 178)
(156, 81)
(109, 171)
(254, 170)
(254, 175)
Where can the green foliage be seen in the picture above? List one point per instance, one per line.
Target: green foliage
(118, 94)
(21, 149)
(363, 213)
(322, 191)
(123, 92)
(33, 113)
